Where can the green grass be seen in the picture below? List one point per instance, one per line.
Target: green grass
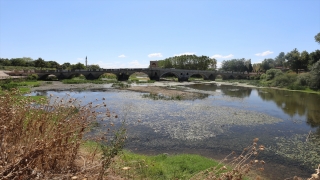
(23, 86)
(164, 166)
(24, 90)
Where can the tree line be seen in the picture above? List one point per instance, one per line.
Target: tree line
(41, 63)
(188, 62)
(293, 60)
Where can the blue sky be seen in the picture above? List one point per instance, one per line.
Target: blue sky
(128, 34)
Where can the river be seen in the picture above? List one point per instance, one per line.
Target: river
(287, 123)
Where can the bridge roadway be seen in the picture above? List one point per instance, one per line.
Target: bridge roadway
(123, 74)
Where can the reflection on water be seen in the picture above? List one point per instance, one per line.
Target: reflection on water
(233, 91)
(290, 102)
(293, 103)
(227, 120)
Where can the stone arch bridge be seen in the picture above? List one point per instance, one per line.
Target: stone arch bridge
(123, 74)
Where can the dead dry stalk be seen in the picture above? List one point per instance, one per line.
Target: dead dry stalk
(41, 139)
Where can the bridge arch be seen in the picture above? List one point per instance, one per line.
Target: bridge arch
(204, 76)
(139, 77)
(223, 76)
(108, 76)
(48, 76)
(168, 73)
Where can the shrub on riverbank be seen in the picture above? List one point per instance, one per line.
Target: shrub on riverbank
(43, 140)
(289, 80)
(18, 84)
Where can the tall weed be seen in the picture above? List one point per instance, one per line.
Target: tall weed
(42, 140)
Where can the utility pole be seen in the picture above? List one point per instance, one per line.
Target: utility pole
(86, 62)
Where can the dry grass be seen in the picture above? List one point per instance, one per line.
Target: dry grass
(42, 140)
(236, 166)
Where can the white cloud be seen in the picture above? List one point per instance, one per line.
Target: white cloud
(219, 64)
(264, 53)
(186, 53)
(155, 55)
(122, 56)
(219, 56)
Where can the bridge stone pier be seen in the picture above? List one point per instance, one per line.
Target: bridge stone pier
(123, 74)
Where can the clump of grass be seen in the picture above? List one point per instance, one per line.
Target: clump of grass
(42, 140)
(163, 166)
(121, 85)
(156, 96)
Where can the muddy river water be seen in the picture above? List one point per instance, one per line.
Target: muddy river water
(226, 119)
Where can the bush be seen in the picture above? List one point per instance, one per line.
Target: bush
(315, 76)
(255, 77)
(272, 73)
(284, 80)
(263, 76)
(9, 86)
(303, 79)
(295, 86)
(33, 77)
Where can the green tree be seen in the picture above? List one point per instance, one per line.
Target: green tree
(294, 60)
(39, 63)
(53, 64)
(248, 65)
(317, 37)
(78, 66)
(304, 58)
(267, 64)
(315, 76)
(93, 66)
(18, 62)
(66, 66)
(314, 57)
(188, 62)
(5, 62)
(280, 60)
